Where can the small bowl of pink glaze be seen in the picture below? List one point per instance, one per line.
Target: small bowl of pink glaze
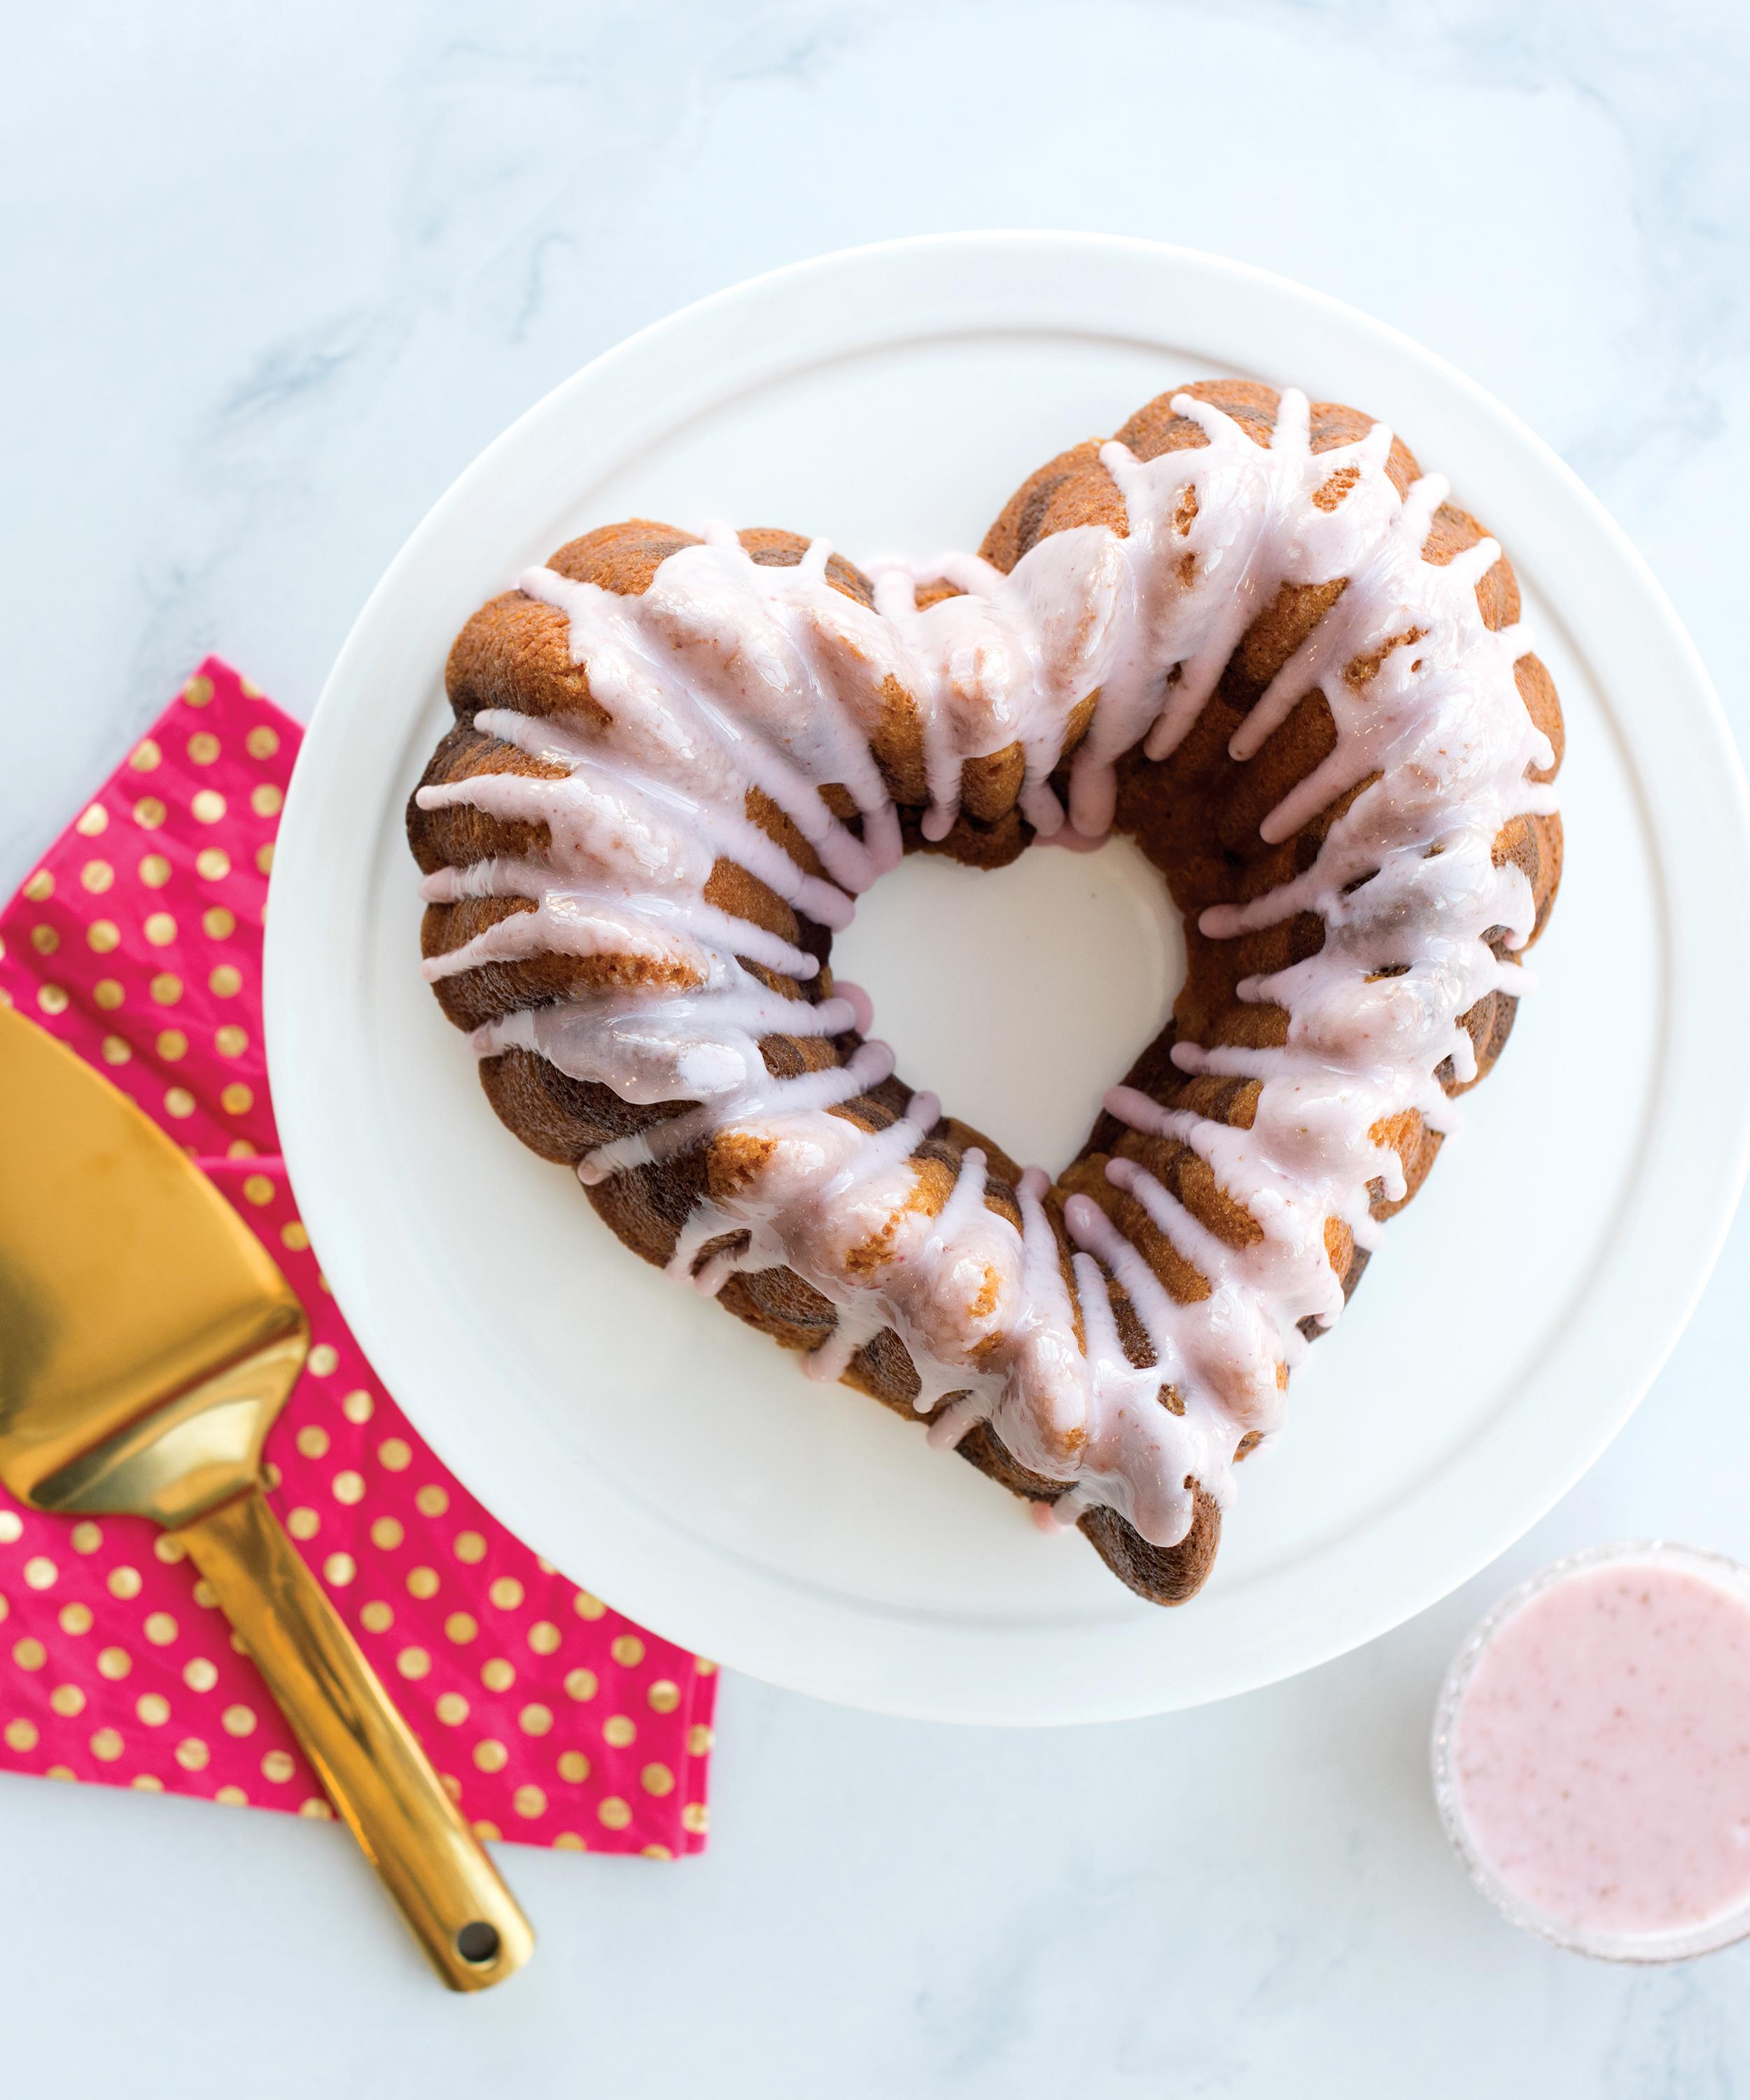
(1592, 1752)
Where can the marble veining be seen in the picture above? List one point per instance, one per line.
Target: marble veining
(282, 276)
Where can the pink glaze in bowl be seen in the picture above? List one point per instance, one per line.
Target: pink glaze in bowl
(1592, 1752)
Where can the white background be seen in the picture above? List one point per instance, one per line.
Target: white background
(272, 278)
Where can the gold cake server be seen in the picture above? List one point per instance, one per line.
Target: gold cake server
(146, 1343)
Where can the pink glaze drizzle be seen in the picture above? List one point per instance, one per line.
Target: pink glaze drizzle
(726, 674)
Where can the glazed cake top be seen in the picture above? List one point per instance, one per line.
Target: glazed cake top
(726, 675)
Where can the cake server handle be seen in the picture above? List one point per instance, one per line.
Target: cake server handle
(375, 1774)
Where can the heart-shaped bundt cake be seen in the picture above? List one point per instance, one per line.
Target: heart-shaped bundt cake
(1248, 633)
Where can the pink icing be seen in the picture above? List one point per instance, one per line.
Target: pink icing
(1600, 1751)
(726, 674)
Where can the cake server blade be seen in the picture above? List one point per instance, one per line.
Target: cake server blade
(146, 1343)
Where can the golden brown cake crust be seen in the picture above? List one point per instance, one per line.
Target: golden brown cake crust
(1195, 816)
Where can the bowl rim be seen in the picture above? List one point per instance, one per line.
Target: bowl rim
(1676, 1943)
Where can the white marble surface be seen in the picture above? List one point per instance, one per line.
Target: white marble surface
(282, 273)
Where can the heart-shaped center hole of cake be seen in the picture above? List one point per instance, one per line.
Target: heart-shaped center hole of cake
(1024, 992)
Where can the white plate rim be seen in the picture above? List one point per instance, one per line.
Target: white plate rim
(1690, 780)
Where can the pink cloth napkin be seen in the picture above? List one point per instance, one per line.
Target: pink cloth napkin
(137, 942)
